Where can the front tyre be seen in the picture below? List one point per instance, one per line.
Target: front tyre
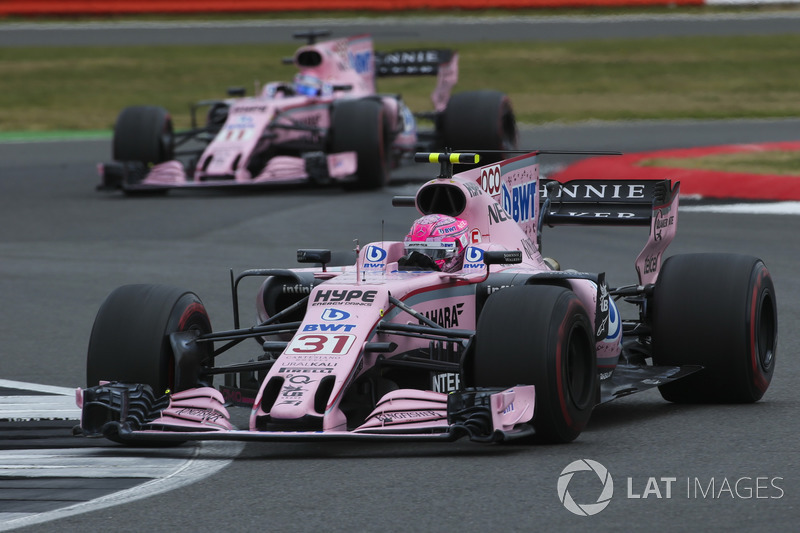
(130, 338)
(144, 134)
(540, 335)
(718, 311)
(360, 126)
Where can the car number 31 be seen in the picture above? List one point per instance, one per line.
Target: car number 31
(320, 344)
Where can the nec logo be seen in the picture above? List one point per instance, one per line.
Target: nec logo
(520, 201)
(473, 258)
(375, 256)
(490, 179)
(333, 315)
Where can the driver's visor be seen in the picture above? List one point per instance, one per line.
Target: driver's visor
(434, 250)
(306, 90)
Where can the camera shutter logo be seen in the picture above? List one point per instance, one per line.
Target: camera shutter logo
(585, 509)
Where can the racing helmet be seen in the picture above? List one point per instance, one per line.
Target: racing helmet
(442, 238)
(308, 85)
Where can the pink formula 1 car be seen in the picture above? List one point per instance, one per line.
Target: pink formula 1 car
(460, 328)
(328, 125)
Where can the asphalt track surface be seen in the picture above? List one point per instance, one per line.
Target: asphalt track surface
(433, 28)
(64, 247)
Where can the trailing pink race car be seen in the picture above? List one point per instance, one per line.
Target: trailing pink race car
(459, 328)
(328, 125)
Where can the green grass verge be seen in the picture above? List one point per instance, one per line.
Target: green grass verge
(84, 88)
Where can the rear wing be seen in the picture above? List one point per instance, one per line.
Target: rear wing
(442, 63)
(601, 202)
(651, 203)
(412, 62)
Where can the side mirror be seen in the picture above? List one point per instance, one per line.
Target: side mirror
(314, 256)
(236, 91)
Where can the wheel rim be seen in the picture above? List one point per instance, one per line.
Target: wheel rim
(765, 333)
(166, 141)
(579, 371)
(509, 131)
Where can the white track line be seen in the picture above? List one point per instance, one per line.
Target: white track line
(203, 460)
(167, 469)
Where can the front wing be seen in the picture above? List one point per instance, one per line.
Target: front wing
(314, 168)
(132, 413)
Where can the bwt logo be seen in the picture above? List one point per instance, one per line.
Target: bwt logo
(329, 327)
(585, 509)
(361, 61)
(473, 258)
(490, 179)
(334, 315)
(520, 201)
(375, 256)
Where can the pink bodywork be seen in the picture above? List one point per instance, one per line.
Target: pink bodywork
(328, 352)
(347, 68)
(344, 310)
(199, 409)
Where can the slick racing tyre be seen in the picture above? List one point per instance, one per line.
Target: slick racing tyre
(130, 338)
(718, 311)
(540, 335)
(360, 126)
(144, 134)
(479, 120)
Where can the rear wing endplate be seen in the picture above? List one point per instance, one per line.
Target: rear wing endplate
(663, 225)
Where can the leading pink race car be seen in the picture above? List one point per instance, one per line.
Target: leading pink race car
(329, 125)
(461, 328)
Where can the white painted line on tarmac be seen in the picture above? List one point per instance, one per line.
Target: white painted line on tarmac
(192, 464)
(36, 387)
(56, 403)
(91, 463)
(165, 468)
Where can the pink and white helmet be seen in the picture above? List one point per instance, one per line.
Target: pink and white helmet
(442, 238)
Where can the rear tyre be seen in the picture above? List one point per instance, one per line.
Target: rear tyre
(144, 134)
(479, 120)
(360, 126)
(130, 337)
(718, 311)
(540, 335)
